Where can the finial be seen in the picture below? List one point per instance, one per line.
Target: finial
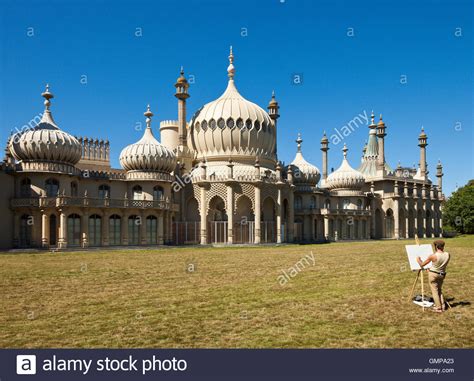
(148, 115)
(231, 68)
(182, 71)
(298, 142)
(344, 150)
(47, 96)
(380, 116)
(372, 118)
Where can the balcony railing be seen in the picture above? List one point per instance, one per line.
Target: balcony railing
(62, 201)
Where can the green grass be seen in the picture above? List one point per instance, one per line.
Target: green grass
(356, 296)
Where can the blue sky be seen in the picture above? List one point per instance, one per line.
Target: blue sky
(408, 60)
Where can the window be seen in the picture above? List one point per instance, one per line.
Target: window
(95, 225)
(312, 203)
(158, 193)
(137, 192)
(346, 203)
(134, 223)
(114, 229)
(104, 191)
(230, 123)
(221, 123)
(359, 204)
(151, 230)
(25, 188)
(74, 191)
(74, 230)
(26, 226)
(52, 187)
(298, 202)
(327, 204)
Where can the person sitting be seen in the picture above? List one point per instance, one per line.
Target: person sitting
(437, 273)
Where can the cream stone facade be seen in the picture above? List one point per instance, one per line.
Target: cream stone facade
(213, 179)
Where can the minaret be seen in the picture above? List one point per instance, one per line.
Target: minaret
(325, 149)
(182, 151)
(273, 108)
(439, 175)
(422, 143)
(381, 142)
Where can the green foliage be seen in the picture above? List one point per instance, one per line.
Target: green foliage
(458, 211)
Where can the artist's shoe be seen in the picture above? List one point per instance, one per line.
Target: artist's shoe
(437, 309)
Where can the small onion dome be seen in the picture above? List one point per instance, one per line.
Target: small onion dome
(46, 142)
(324, 139)
(422, 133)
(381, 122)
(345, 177)
(303, 172)
(182, 78)
(148, 154)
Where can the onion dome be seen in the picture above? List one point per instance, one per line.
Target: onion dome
(345, 177)
(232, 126)
(148, 154)
(303, 172)
(45, 143)
(422, 133)
(324, 139)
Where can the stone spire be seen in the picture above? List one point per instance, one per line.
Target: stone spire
(231, 68)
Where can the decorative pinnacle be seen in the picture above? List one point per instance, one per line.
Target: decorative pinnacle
(372, 118)
(47, 96)
(181, 71)
(344, 150)
(298, 142)
(148, 115)
(231, 68)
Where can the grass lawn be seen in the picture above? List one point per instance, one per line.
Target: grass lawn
(355, 296)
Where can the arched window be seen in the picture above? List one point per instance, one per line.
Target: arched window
(25, 187)
(74, 230)
(95, 230)
(327, 204)
(104, 191)
(312, 204)
(26, 226)
(359, 204)
(298, 202)
(134, 223)
(158, 193)
(114, 229)
(137, 192)
(345, 203)
(151, 230)
(74, 189)
(52, 187)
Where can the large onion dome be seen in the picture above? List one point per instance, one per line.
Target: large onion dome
(303, 172)
(147, 156)
(345, 177)
(232, 126)
(45, 146)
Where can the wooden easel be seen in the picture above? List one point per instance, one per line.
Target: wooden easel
(420, 271)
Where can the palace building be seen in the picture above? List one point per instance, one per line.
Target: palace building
(213, 179)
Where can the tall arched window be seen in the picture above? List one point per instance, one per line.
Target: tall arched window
(158, 193)
(312, 204)
(137, 192)
(104, 191)
(134, 223)
(114, 229)
(74, 230)
(345, 203)
(52, 187)
(74, 189)
(359, 204)
(327, 204)
(95, 230)
(25, 187)
(151, 230)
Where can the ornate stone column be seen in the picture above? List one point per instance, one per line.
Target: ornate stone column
(124, 229)
(258, 214)
(203, 211)
(105, 229)
(44, 229)
(396, 212)
(143, 240)
(278, 215)
(62, 241)
(230, 214)
(326, 228)
(85, 229)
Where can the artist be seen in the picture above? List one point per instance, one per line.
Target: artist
(437, 273)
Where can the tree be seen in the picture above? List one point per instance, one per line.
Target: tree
(458, 210)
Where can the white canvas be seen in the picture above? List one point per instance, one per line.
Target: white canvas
(422, 251)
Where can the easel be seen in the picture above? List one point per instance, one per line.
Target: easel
(420, 271)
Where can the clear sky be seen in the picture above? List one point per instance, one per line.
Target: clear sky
(410, 60)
